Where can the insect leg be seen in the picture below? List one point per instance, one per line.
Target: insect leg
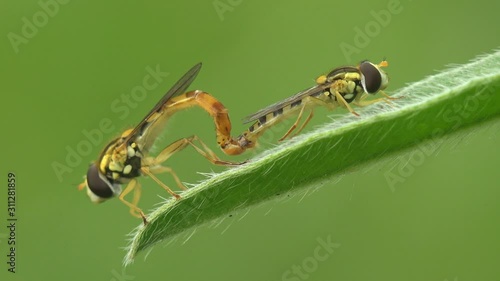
(134, 210)
(389, 97)
(166, 153)
(310, 101)
(153, 166)
(305, 123)
(162, 169)
(294, 125)
(341, 100)
(362, 102)
(209, 154)
(178, 145)
(146, 171)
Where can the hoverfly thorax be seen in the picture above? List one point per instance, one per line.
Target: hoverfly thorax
(118, 162)
(373, 78)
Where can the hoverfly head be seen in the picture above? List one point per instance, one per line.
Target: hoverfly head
(373, 78)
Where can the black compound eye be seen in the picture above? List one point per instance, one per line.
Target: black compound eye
(372, 75)
(98, 185)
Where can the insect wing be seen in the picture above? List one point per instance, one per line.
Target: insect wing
(179, 87)
(263, 112)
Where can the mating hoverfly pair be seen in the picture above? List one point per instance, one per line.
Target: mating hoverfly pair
(127, 157)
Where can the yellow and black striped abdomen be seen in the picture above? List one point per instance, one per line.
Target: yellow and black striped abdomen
(274, 117)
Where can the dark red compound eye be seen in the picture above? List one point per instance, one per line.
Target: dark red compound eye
(97, 184)
(372, 75)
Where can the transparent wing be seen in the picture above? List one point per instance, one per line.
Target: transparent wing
(281, 104)
(178, 88)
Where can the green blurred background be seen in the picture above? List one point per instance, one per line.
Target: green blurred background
(441, 223)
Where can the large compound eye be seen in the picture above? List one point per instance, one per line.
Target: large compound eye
(371, 79)
(97, 183)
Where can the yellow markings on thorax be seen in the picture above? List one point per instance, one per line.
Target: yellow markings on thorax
(104, 162)
(115, 166)
(352, 76)
(127, 169)
(130, 151)
(126, 133)
(321, 80)
(114, 158)
(345, 87)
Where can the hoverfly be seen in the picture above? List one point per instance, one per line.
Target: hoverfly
(340, 87)
(127, 157)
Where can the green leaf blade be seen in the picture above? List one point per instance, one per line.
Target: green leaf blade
(441, 104)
